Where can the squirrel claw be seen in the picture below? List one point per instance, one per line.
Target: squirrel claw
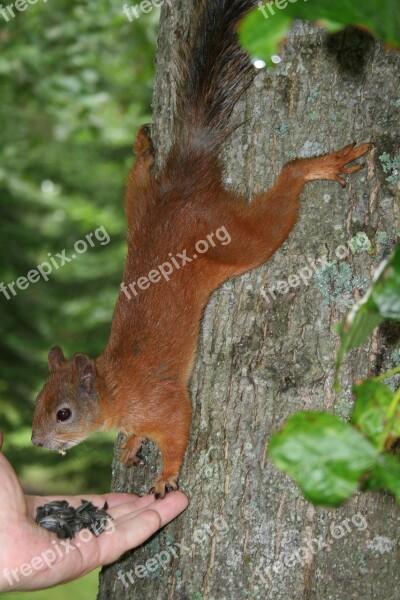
(162, 488)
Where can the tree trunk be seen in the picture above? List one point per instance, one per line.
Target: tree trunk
(247, 530)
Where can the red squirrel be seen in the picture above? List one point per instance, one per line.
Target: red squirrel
(139, 383)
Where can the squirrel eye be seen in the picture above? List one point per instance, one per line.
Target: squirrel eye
(63, 415)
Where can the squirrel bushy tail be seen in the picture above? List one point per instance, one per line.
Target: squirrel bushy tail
(213, 73)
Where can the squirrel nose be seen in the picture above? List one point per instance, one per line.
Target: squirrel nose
(37, 442)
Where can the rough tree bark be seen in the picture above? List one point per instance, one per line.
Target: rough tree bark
(260, 361)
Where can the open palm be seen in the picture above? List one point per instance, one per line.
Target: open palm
(32, 558)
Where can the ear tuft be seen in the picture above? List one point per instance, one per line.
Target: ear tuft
(86, 370)
(56, 359)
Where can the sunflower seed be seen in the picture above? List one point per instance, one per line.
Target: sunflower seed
(64, 520)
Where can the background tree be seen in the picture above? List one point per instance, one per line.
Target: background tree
(76, 81)
(68, 121)
(259, 361)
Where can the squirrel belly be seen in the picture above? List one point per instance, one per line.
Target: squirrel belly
(187, 234)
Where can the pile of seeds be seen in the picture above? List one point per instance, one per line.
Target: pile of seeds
(65, 520)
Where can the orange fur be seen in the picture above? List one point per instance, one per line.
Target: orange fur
(141, 377)
(139, 384)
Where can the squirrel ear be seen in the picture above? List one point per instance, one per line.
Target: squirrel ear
(86, 370)
(56, 359)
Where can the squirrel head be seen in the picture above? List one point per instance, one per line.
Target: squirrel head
(67, 409)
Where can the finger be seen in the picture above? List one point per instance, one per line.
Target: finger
(133, 532)
(124, 512)
(112, 499)
(131, 508)
(170, 507)
(130, 534)
(110, 545)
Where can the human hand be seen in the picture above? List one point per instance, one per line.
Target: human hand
(32, 558)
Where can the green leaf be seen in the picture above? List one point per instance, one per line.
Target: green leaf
(266, 26)
(356, 329)
(325, 456)
(261, 38)
(372, 412)
(386, 291)
(382, 301)
(385, 475)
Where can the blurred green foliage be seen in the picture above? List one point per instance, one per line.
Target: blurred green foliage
(76, 82)
(267, 26)
(82, 589)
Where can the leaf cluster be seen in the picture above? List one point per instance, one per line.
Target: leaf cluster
(328, 458)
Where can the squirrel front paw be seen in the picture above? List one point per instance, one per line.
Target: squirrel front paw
(163, 486)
